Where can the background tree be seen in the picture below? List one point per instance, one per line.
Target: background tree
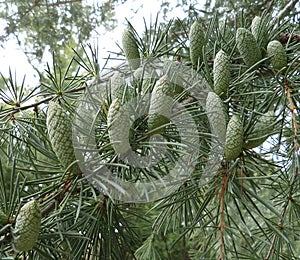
(248, 209)
(53, 26)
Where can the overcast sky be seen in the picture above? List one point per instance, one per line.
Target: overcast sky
(134, 10)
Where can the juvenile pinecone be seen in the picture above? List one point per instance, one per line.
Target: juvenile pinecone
(234, 138)
(117, 86)
(259, 31)
(277, 54)
(161, 104)
(196, 38)
(27, 227)
(118, 122)
(145, 78)
(131, 49)
(247, 46)
(221, 74)
(60, 134)
(261, 130)
(216, 115)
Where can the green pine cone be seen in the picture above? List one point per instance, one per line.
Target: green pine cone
(277, 54)
(27, 227)
(259, 31)
(247, 46)
(260, 131)
(234, 138)
(60, 134)
(161, 104)
(118, 122)
(216, 116)
(145, 78)
(221, 74)
(131, 49)
(117, 86)
(197, 39)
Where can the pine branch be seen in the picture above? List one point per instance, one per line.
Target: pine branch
(36, 104)
(292, 107)
(57, 199)
(222, 224)
(295, 175)
(284, 37)
(57, 3)
(286, 9)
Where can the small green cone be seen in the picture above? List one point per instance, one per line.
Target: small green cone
(277, 54)
(160, 105)
(197, 39)
(60, 134)
(117, 86)
(259, 31)
(216, 115)
(27, 227)
(247, 46)
(118, 123)
(234, 138)
(131, 49)
(261, 130)
(221, 74)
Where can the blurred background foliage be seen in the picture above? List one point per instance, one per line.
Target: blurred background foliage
(42, 26)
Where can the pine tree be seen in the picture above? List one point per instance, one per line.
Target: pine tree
(244, 206)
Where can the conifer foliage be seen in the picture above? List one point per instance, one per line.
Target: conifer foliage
(247, 207)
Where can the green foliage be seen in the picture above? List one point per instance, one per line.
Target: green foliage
(244, 208)
(260, 130)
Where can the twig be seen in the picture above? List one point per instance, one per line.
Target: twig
(284, 37)
(21, 108)
(36, 3)
(58, 198)
(34, 105)
(293, 112)
(269, 5)
(287, 8)
(222, 224)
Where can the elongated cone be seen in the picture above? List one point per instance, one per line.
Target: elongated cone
(118, 123)
(277, 54)
(161, 105)
(261, 130)
(234, 138)
(221, 74)
(117, 86)
(60, 134)
(216, 116)
(247, 46)
(131, 49)
(259, 31)
(27, 227)
(196, 38)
